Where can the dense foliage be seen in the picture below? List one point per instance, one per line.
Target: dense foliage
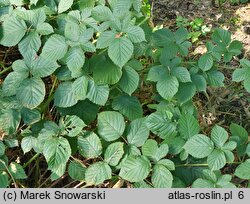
(74, 98)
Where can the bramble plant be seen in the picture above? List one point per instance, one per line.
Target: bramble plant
(72, 99)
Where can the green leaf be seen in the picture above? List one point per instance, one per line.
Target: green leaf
(188, 126)
(235, 47)
(80, 87)
(186, 92)
(71, 125)
(17, 171)
(120, 51)
(243, 170)
(237, 130)
(64, 5)
(90, 145)
(13, 30)
(129, 80)
(101, 13)
(75, 59)
(77, 170)
(215, 78)
(181, 73)
(167, 163)
(9, 120)
(137, 132)
(129, 106)
(160, 124)
(2, 148)
(31, 42)
(31, 92)
(167, 86)
(72, 31)
(105, 39)
(135, 34)
(30, 117)
(219, 136)
(28, 143)
(105, 72)
(4, 180)
(151, 150)
(114, 153)
(240, 74)
(221, 36)
(43, 67)
(216, 160)
(206, 62)
(111, 125)
(161, 177)
(97, 173)
(65, 95)
(135, 169)
(44, 29)
(200, 82)
(57, 152)
(203, 183)
(55, 47)
(98, 94)
(12, 82)
(199, 146)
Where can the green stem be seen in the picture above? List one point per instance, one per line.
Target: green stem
(201, 165)
(5, 70)
(7, 169)
(31, 160)
(143, 21)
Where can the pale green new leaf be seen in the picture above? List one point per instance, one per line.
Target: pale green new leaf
(89, 145)
(111, 125)
(137, 132)
(97, 173)
(199, 146)
(120, 51)
(28, 143)
(13, 31)
(31, 92)
(114, 153)
(135, 169)
(161, 177)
